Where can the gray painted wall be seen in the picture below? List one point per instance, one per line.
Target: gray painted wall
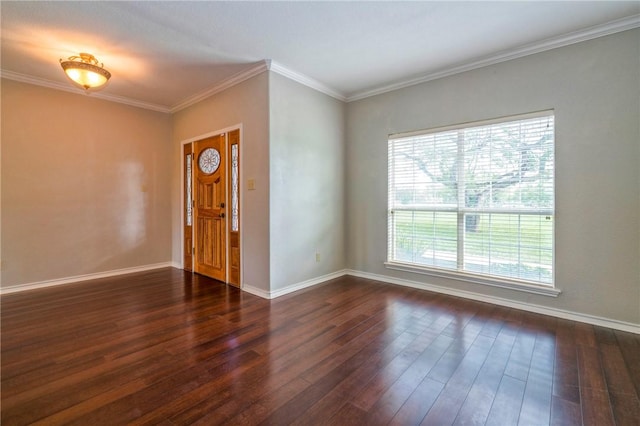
(306, 160)
(246, 104)
(594, 88)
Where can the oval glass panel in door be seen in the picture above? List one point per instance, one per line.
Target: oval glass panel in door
(209, 161)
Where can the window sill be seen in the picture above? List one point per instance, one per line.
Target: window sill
(476, 279)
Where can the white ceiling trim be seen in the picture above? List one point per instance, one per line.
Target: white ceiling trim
(10, 75)
(238, 78)
(609, 28)
(268, 64)
(303, 79)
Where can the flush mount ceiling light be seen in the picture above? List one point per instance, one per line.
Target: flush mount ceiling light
(86, 71)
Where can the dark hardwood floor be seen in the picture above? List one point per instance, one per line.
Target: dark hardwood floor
(165, 347)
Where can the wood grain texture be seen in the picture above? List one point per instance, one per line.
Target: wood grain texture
(168, 347)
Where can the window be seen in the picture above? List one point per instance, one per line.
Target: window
(475, 200)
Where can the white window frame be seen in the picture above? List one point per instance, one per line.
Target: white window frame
(460, 274)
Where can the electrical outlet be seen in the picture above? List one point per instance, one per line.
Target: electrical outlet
(317, 257)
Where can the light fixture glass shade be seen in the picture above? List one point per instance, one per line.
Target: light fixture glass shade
(84, 71)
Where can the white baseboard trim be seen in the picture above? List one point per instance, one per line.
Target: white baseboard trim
(559, 313)
(85, 277)
(294, 287)
(255, 291)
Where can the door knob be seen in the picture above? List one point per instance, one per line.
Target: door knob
(222, 215)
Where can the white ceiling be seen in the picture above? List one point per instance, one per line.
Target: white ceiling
(164, 54)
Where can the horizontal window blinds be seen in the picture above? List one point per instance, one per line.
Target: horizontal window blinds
(476, 198)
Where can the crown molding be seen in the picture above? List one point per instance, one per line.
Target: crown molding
(305, 80)
(238, 78)
(609, 28)
(23, 78)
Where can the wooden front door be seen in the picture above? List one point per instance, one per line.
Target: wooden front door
(209, 212)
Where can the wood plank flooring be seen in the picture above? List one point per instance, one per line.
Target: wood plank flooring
(169, 348)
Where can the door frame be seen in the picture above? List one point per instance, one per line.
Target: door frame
(194, 139)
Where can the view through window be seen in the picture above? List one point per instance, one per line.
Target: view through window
(475, 199)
